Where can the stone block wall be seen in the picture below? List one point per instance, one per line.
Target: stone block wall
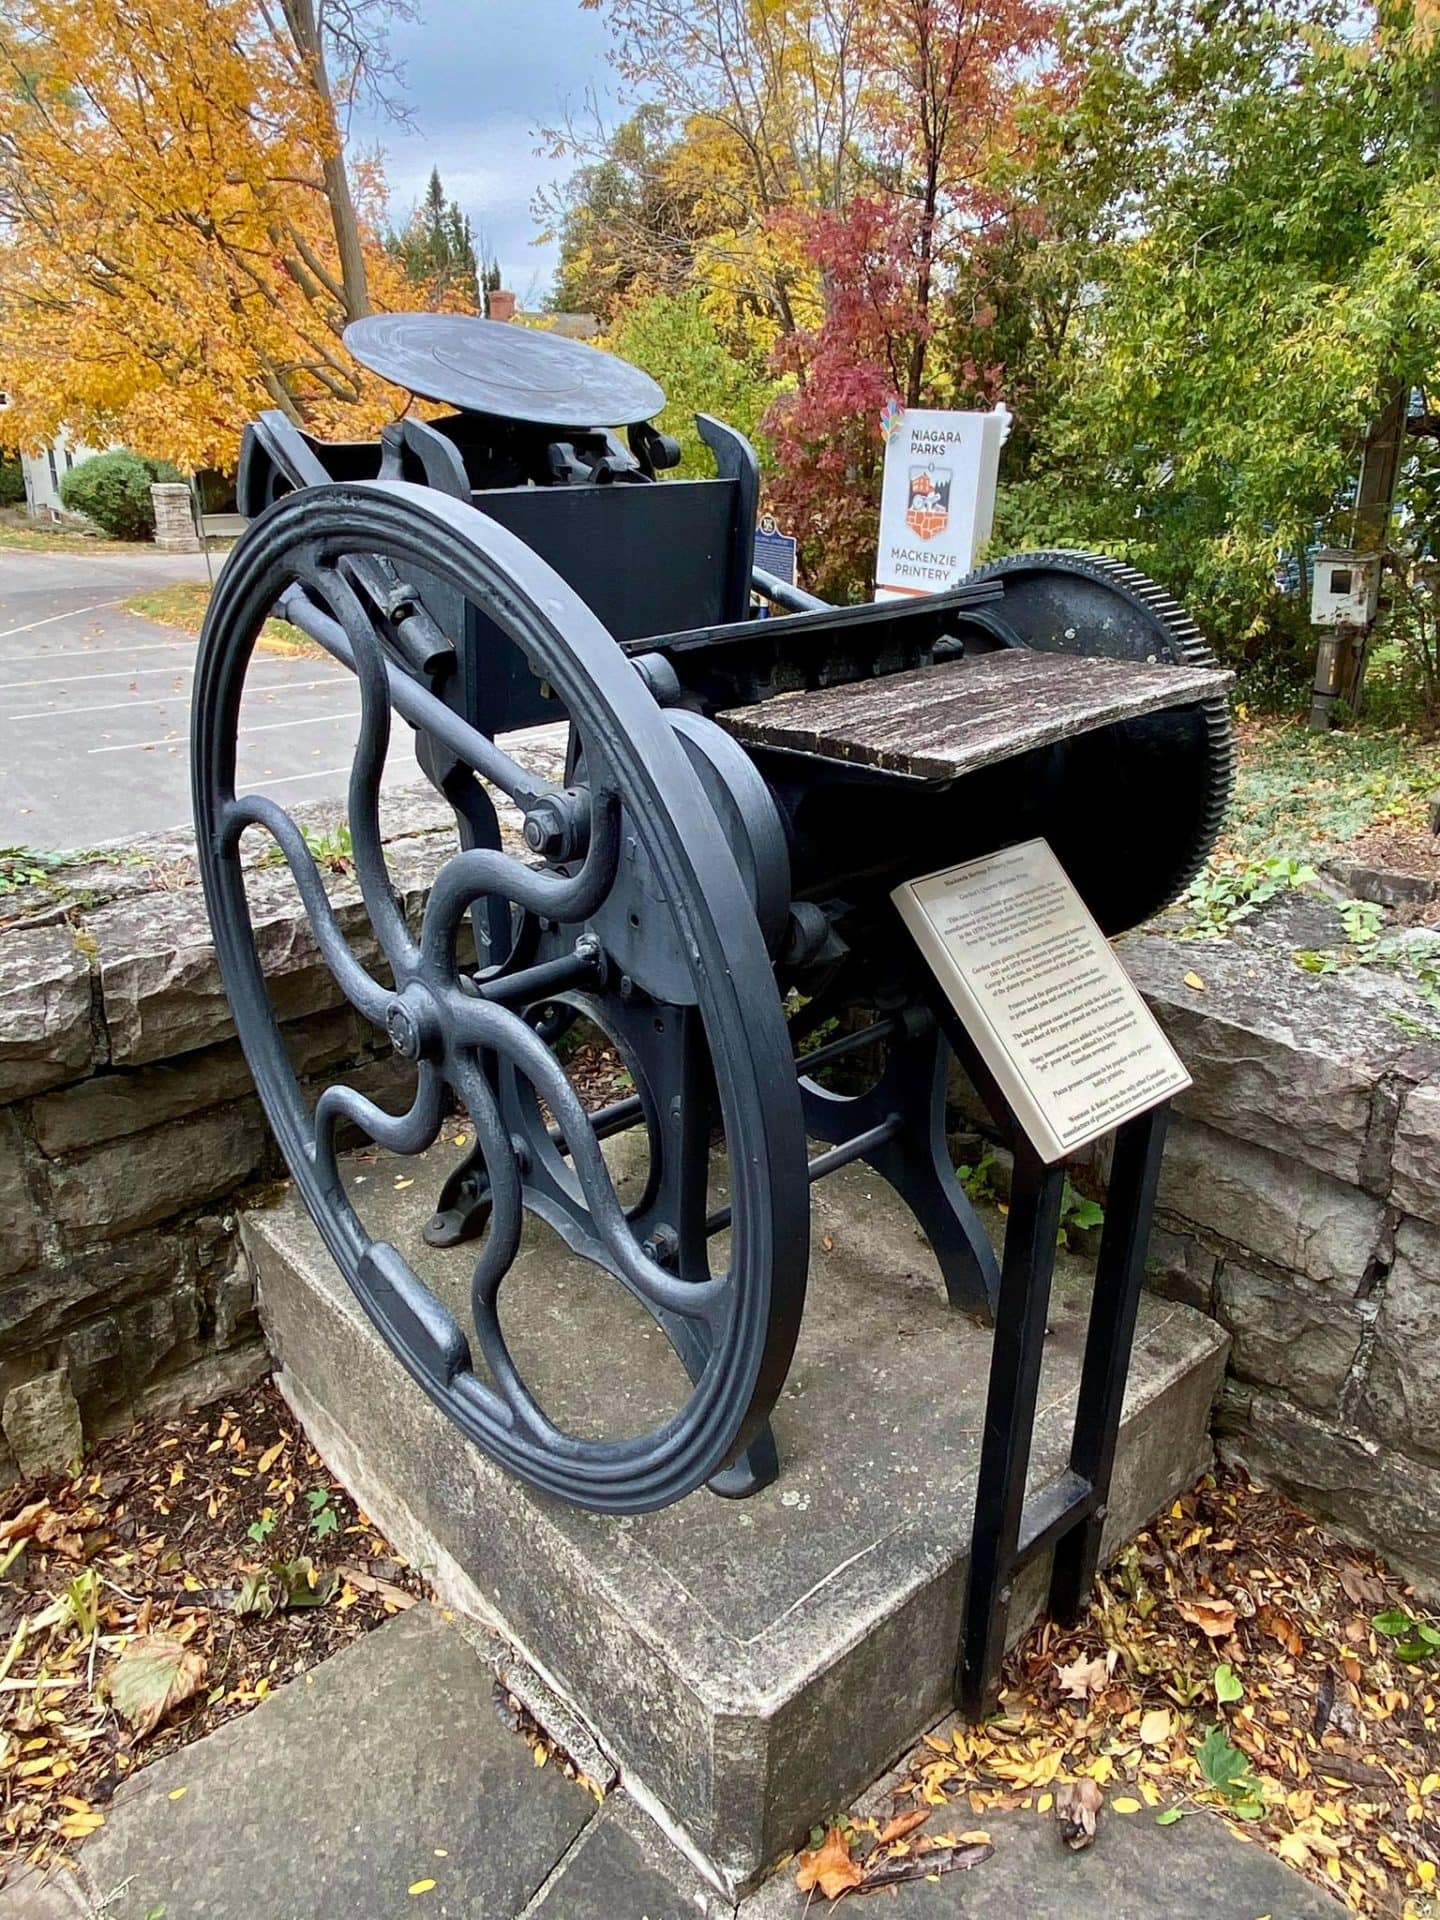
(130, 1131)
(1300, 1206)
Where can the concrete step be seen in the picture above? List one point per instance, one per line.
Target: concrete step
(750, 1665)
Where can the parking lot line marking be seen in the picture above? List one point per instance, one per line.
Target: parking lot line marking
(134, 706)
(109, 653)
(270, 726)
(286, 779)
(64, 679)
(75, 613)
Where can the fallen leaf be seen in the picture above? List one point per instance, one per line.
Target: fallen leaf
(1155, 1728)
(1077, 1807)
(22, 1524)
(79, 1826)
(1124, 1804)
(420, 1886)
(1082, 1677)
(1216, 1619)
(1194, 980)
(55, 1530)
(270, 1456)
(385, 1590)
(829, 1867)
(1228, 1687)
(150, 1677)
(1362, 1586)
(902, 1824)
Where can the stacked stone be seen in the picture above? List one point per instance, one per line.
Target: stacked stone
(1300, 1205)
(130, 1131)
(174, 518)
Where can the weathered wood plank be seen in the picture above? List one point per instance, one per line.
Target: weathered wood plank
(938, 722)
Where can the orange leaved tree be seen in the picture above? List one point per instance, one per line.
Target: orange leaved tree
(180, 244)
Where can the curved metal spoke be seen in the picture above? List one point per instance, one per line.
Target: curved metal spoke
(707, 1301)
(254, 810)
(470, 875)
(507, 1206)
(368, 768)
(410, 1132)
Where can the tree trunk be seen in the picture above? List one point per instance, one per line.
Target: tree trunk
(305, 31)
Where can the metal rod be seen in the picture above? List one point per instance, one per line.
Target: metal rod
(844, 1043)
(419, 706)
(1119, 1274)
(794, 599)
(616, 1118)
(1015, 1356)
(823, 1163)
(1053, 1511)
(533, 983)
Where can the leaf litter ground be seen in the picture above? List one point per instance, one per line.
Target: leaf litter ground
(1235, 1657)
(192, 1567)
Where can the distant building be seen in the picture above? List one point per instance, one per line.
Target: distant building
(574, 326)
(500, 305)
(44, 471)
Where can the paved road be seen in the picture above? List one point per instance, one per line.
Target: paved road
(94, 707)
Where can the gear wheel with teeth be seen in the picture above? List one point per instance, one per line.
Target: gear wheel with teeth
(1131, 857)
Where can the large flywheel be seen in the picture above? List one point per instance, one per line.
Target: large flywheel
(1154, 790)
(641, 907)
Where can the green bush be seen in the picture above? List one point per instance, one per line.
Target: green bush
(113, 490)
(12, 481)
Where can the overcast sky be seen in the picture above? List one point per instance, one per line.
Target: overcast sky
(481, 77)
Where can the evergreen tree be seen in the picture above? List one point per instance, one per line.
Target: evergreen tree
(436, 248)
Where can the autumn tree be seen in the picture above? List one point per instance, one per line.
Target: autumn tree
(625, 226)
(173, 256)
(942, 80)
(758, 105)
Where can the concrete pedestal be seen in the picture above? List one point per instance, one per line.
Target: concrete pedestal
(750, 1665)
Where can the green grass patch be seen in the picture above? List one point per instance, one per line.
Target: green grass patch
(1300, 795)
(184, 603)
(16, 537)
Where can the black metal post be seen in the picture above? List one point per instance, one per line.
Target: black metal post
(1119, 1275)
(1025, 1275)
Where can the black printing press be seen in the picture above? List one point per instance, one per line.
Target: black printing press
(708, 884)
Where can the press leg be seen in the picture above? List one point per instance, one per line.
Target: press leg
(910, 1098)
(1015, 1358)
(749, 1472)
(1119, 1276)
(463, 1205)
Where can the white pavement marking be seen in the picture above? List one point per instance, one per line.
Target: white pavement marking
(270, 726)
(75, 613)
(64, 679)
(105, 653)
(290, 779)
(134, 706)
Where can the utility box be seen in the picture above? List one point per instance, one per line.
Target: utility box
(1344, 588)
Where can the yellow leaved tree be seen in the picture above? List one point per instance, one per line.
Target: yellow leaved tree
(180, 245)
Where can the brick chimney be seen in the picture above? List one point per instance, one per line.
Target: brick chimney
(499, 304)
